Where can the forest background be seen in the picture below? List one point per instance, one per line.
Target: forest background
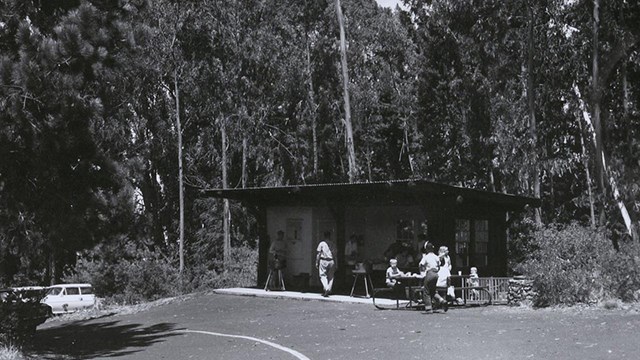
(114, 113)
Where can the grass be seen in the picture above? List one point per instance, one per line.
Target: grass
(10, 352)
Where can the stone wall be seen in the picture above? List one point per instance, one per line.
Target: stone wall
(521, 291)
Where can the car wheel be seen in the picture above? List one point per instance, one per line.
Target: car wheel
(48, 311)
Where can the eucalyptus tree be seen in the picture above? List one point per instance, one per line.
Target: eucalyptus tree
(622, 35)
(171, 19)
(525, 57)
(458, 49)
(351, 153)
(383, 63)
(607, 40)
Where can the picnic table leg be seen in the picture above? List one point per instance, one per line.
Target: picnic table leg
(354, 284)
(266, 285)
(281, 280)
(366, 287)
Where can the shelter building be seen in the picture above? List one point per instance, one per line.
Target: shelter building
(365, 219)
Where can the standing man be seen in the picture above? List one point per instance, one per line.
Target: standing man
(431, 264)
(277, 261)
(326, 262)
(277, 252)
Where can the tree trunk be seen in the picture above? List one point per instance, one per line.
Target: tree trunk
(585, 161)
(312, 111)
(405, 146)
(226, 216)
(601, 159)
(626, 103)
(244, 160)
(596, 97)
(531, 100)
(180, 180)
(351, 153)
(52, 267)
(492, 180)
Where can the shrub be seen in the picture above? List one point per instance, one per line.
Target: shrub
(241, 272)
(126, 273)
(622, 271)
(19, 316)
(575, 264)
(10, 352)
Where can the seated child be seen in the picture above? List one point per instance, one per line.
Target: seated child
(393, 273)
(405, 259)
(473, 281)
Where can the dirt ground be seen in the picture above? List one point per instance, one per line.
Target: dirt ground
(214, 326)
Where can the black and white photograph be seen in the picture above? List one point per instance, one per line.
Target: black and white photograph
(319, 179)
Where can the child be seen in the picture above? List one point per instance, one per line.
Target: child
(474, 281)
(445, 272)
(393, 273)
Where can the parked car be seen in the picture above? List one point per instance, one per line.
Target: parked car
(66, 298)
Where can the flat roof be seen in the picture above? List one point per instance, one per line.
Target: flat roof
(367, 193)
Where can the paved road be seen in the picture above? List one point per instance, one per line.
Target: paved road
(200, 328)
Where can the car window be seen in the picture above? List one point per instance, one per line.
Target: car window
(55, 291)
(85, 290)
(73, 291)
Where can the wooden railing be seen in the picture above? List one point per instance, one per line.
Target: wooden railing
(498, 288)
(493, 290)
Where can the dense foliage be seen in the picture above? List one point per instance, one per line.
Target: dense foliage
(95, 97)
(20, 314)
(575, 264)
(126, 273)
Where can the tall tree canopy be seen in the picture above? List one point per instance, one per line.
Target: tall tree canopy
(475, 93)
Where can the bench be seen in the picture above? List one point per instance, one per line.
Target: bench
(399, 294)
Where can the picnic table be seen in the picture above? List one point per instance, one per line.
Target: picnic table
(407, 293)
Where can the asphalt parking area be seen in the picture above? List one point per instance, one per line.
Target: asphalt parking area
(223, 326)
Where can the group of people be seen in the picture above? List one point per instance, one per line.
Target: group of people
(435, 270)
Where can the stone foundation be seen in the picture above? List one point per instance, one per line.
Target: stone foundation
(521, 291)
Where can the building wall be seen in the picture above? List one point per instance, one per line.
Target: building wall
(377, 227)
(296, 223)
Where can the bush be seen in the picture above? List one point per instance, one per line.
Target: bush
(241, 272)
(575, 264)
(126, 273)
(19, 316)
(10, 352)
(622, 271)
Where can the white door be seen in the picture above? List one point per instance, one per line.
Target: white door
(56, 299)
(73, 298)
(295, 247)
(87, 297)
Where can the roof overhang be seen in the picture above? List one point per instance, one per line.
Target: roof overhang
(396, 192)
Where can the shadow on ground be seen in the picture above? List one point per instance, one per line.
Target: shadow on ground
(84, 339)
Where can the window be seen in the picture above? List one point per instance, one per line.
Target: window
(463, 237)
(86, 290)
(55, 291)
(73, 291)
(404, 230)
(481, 243)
